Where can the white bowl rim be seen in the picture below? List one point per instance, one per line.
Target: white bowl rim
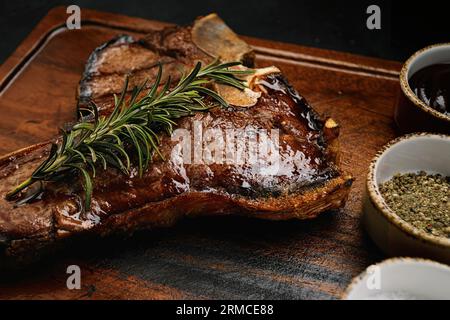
(378, 202)
(356, 280)
(405, 87)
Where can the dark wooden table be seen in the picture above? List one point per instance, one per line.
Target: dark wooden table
(218, 258)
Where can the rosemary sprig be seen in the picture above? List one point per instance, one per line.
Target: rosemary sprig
(108, 141)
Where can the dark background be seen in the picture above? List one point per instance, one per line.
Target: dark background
(338, 25)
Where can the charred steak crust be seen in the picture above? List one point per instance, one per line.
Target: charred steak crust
(84, 94)
(123, 56)
(309, 181)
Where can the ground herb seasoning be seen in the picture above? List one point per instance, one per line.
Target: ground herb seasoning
(421, 199)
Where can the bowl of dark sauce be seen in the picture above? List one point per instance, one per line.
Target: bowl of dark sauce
(424, 99)
(432, 86)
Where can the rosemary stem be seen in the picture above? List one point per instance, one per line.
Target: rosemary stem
(57, 164)
(20, 187)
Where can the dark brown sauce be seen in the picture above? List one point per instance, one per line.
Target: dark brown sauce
(432, 86)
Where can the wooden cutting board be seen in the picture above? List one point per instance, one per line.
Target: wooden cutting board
(218, 258)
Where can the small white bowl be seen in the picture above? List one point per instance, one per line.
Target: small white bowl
(394, 236)
(401, 279)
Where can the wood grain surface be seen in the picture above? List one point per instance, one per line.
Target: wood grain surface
(218, 258)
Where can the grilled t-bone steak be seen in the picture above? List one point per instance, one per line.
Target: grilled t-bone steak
(307, 181)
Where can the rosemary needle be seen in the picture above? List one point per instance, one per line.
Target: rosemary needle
(107, 141)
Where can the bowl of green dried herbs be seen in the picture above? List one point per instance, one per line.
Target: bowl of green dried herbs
(406, 208)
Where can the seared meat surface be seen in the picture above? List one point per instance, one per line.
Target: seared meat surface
(305, 181)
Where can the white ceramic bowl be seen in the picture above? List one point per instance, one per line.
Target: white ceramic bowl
(401, 279)
(394, 236)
